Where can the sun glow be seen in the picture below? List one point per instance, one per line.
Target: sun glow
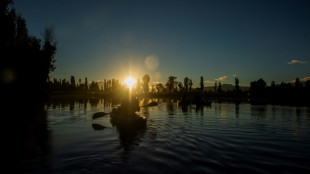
(129, 81)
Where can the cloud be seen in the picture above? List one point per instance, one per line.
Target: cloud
(234, 75)
(224, 78)
(305, 79)
(302, 80)
(208, 82)
(296, 61)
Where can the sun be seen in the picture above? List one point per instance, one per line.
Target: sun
(129, 81)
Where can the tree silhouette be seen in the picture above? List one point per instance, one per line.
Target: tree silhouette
(72, 82)
(94, 87)
(159, 87)
(219, 90)
(190, 83)
(201, 85)
(170, 83)
(86, 85)
(146, 80)
(180, 86)
(257, 88)
(186, 84)
(26, 60)
(215, 86)
(237, 88)
(298, 85)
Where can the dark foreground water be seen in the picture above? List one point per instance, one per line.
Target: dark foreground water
(223, 138)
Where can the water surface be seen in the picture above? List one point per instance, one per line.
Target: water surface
(223, 138)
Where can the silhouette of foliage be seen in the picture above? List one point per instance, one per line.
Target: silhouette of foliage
(201, 85)
(289, 93)
(27, 60)
(146, 80)
(186, 81)
(171, 83)
(219, 90)
(257, 88)
(237, 88)
(190, 83)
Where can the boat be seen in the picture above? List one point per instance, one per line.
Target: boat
(121, 119)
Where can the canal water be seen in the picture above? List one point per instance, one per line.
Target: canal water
(222, 138)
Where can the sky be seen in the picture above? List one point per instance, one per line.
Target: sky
(219, 40)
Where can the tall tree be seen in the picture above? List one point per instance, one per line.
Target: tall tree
(215, 86)
(72, 81)
(170, 83)
(186, 84)
(190, 83)
(180, 86)
(201, 85)
(297, 83)
(146, 80)
(237, 88)
(86, 85)
(220, 88)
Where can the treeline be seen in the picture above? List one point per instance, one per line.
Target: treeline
(174, 88)
(287, 93)
(64, 86)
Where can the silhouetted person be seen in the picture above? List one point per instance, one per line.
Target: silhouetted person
(129, 105)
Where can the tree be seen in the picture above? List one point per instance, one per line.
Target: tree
(30, 59)
(220, 88)
(170, 83)
(190, 83)
(201, 85)
(297, 83)
(86, 85)
(72, 82)
(237, 88)
(307, 84)
(215, 86)
(94, 87)
(186, 84)
(180, 86)
(257, 88)
(159, 87)
(105, 85)
(146, 80)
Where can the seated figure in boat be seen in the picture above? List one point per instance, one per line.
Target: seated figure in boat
(129, 105)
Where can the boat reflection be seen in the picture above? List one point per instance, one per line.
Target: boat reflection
(130, 137)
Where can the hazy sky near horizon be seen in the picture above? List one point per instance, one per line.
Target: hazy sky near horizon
(218, 40)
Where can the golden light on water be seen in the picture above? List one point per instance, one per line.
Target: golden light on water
(129, 81)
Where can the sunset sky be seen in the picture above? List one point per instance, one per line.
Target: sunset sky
(218, 40)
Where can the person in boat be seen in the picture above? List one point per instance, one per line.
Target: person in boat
(129, 105)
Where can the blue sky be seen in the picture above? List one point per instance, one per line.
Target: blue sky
(214, 39)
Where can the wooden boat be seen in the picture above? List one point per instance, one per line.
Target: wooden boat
(121, 119)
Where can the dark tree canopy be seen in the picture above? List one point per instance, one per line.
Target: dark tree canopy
(146, 80)
(186, 80)
(257, 88)
(27, 61)
(171, 83)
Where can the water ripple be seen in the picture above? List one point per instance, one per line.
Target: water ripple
(256, 139)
